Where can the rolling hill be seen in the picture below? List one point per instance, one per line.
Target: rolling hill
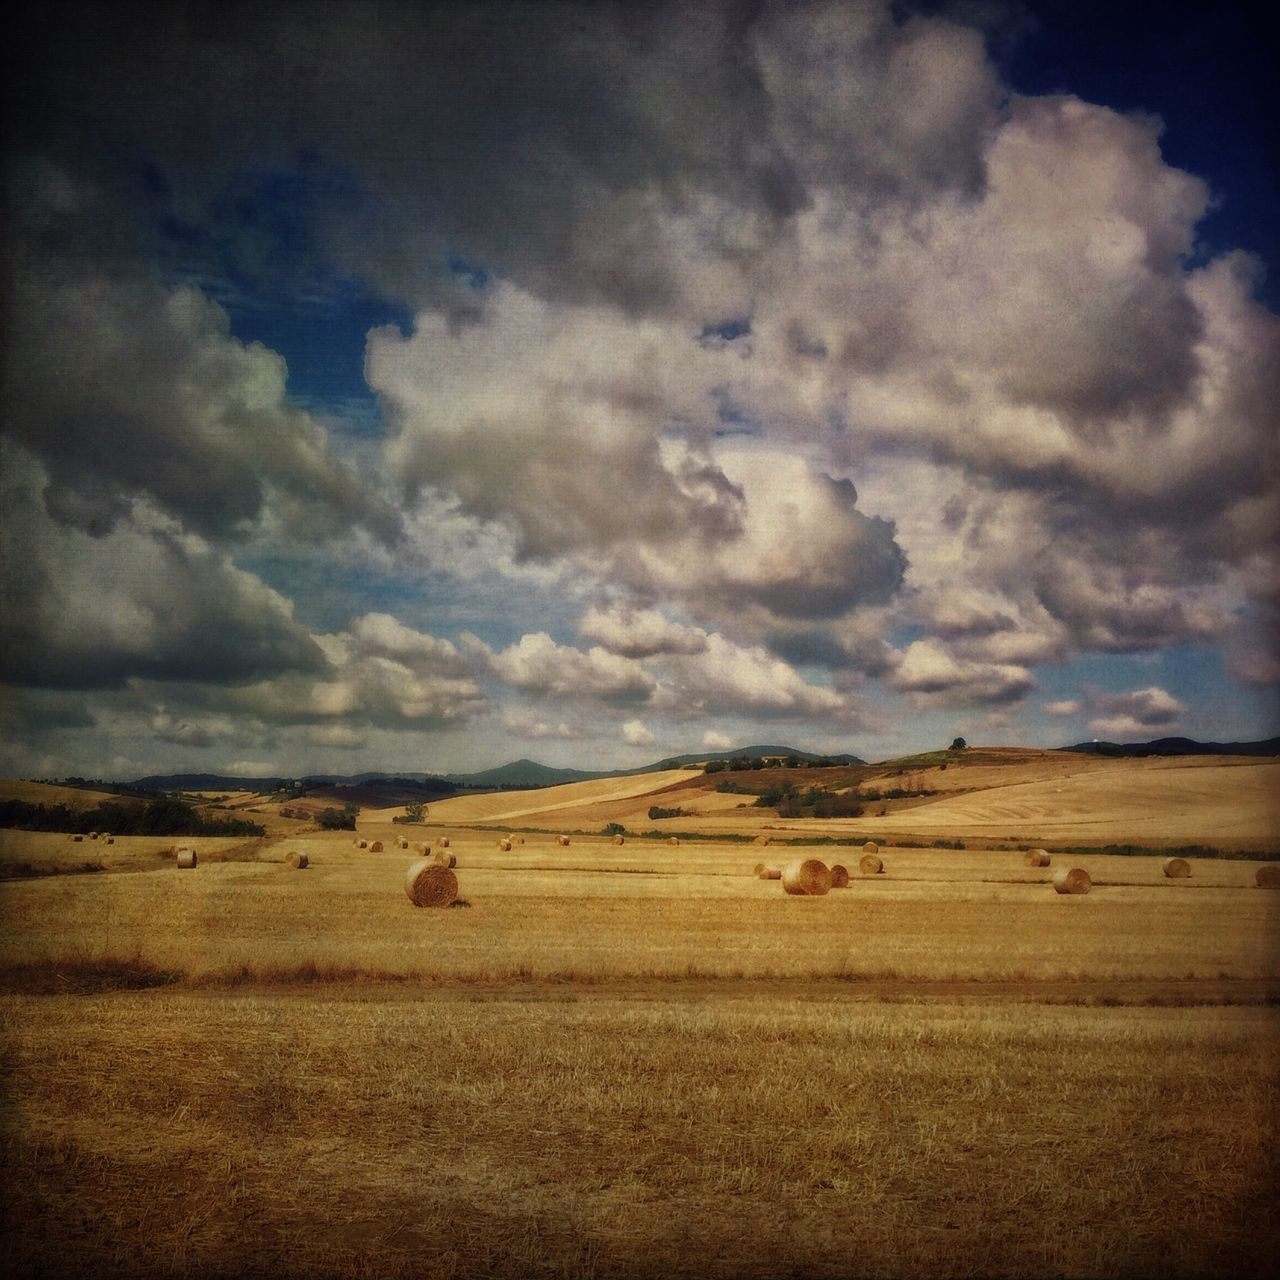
(1179, 747)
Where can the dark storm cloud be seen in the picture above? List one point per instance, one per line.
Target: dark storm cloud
(680, 275)
(507, 133)
(127, 389)
(82, 612)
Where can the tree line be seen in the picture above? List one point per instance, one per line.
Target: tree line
(163, 816)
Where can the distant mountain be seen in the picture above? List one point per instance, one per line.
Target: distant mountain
(529, 773)
(206, 782)
(518, 773)
(1178, 747)
(232, 782)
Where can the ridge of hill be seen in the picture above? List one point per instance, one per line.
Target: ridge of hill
(523, 773)
(1178, 747)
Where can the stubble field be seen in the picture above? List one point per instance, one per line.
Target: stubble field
(637, 1060)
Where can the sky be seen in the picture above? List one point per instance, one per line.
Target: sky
(418, 387)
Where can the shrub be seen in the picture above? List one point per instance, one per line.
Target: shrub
(336, 820)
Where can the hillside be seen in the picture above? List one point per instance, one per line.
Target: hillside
(544, 803)
(1179, 747)
(988, 795)
(51, 794)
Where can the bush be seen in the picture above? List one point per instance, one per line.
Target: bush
(614, 829)
(336, 820)
(656, 812)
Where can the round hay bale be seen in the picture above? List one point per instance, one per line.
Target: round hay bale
(443, 842)
(771, 873)
(443, 858)
(758, 870)
(362, 844)
(93, 835)
(505, 845)
(870, 864)
(297, 860)
(674, 840)
(404, 844)
(619, 840)
(1036, 857)
(186, 859)
(1177, 868)
(1071, 880)
(77, 839)
(871, 847)
(111, 840)
(429, 884)
(519, 839)
(839, 877)
(562, 841)
(809, 878)
(763, 840)
(375, 846)
(419, 847)
(1267, 876)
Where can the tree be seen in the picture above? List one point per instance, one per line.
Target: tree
(415, 812)
(958, 744)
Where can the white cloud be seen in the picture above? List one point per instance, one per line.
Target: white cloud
(748, 679)
(537, 664)
(1139, 713)
(635, 733)
(524, 724)
(639, 633)
(714, 741)
(1067, 707)
(336, 736)
(933, 677)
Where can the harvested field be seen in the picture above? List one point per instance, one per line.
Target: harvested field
(300, 1156)
(595, 911)
(553, 805)
(647, 998)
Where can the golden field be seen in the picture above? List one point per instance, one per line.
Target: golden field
(635, 1060)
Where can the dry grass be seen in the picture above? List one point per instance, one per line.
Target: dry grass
(580, 1075)
(292, 1136)
(597, 912)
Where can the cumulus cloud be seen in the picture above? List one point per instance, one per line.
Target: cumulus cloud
(550, 423)
(714, 741)
(525, 724)
(142, 601)
(379, 672)
(1150, 712)
(729, 677)
(639, 633)
(337, 736)
(1067, 707)
(157, 375)
(195, 731)
(934, 677)
(781, 327)
(635, 733)
(537, 664)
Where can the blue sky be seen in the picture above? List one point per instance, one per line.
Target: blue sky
(423, 386)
